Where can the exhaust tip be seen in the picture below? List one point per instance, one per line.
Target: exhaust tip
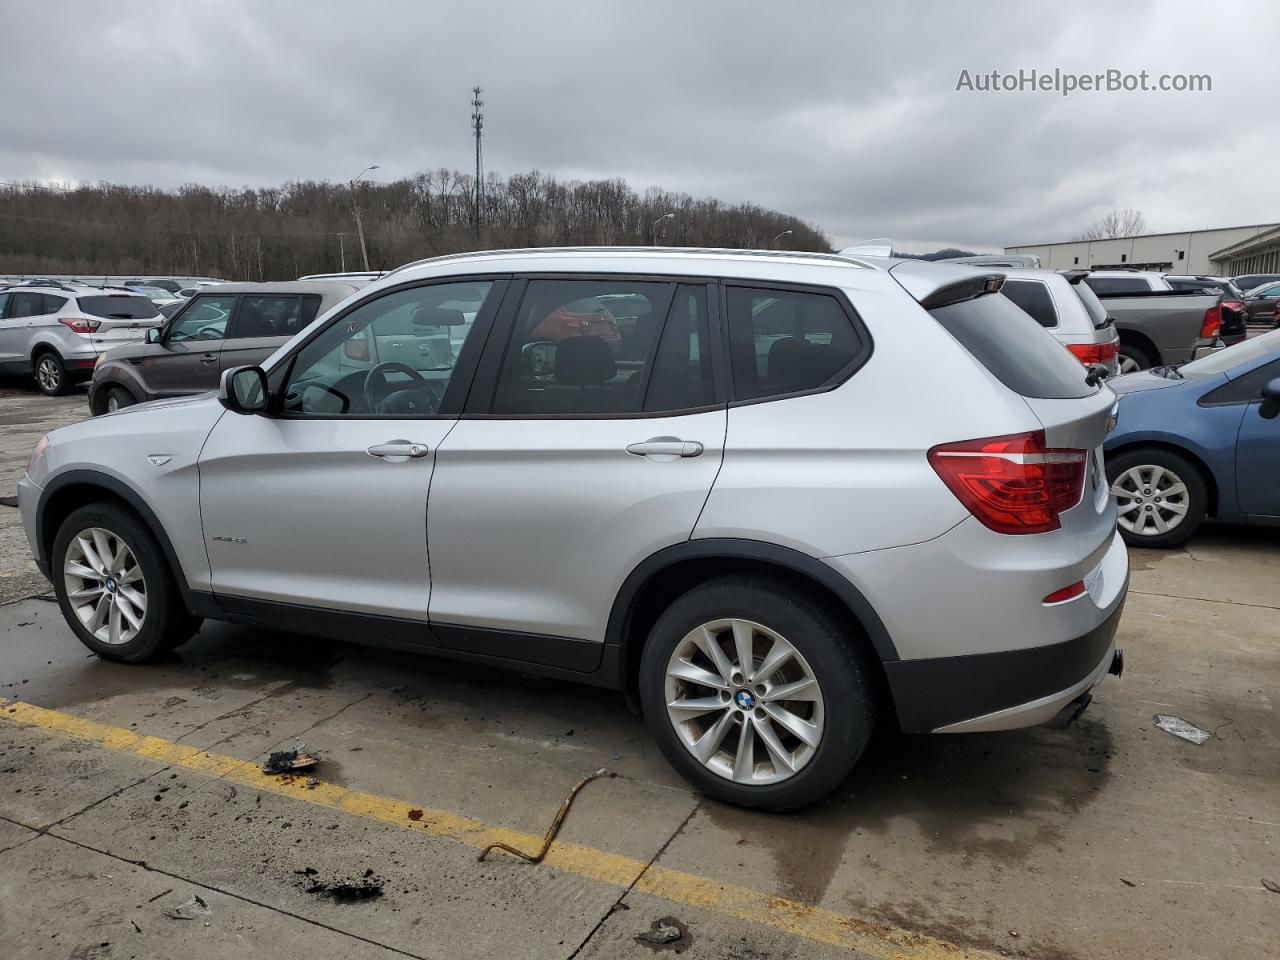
(1117, 663)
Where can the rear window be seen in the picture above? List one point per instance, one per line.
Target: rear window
(1018, 353)
(1092, 305)
(119, 307)
(1105, 285)
(1033, 298)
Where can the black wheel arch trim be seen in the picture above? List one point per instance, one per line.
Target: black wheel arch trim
(122, 491)
(786, 558)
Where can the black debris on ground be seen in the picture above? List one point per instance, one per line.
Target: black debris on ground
(666, 933)
(287, 761)
(368, 886)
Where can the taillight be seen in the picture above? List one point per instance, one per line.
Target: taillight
(1212, 323)
(1066, 593)
(81, 324)
(1232, 305)
(1012, 484)
(1095, 352)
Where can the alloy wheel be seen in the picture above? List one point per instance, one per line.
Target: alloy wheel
(1152, 499)
(744, 702)
(105, 585)
(1126, 364)
(48, 374)
(113, 402)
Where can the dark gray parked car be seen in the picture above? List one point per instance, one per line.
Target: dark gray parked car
(229, 325)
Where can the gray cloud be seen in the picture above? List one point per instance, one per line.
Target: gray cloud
(845, 115)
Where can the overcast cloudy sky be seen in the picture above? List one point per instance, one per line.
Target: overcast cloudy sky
(844, 114)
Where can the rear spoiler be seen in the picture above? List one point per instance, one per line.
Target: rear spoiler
(968, 289)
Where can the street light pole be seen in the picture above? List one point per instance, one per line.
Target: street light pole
(653, 227)
(355, 206)
(342, 251)
(784, 233)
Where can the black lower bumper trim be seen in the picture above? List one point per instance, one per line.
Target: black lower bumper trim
(940, 691)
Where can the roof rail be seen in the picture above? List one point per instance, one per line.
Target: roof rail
(840, 257)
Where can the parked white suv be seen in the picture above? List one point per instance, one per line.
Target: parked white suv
(779, 497)
(1069, 310)
(57, 332)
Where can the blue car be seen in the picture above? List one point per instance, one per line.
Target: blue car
(1198, 440)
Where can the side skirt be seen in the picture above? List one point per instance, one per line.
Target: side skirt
(566, 658)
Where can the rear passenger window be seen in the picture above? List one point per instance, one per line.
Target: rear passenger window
(27, 305)
(1108, 285)
(267, 317)
(53, 304)
(1033, 298)
(601, 347)
(785, 341)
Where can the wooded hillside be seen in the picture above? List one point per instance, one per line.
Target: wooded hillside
(284, 232)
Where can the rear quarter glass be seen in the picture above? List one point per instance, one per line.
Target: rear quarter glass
(1018, 351)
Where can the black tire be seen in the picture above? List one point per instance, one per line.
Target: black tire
(1196, 498)
(166, 623)
(50, 374)
(1136, 354)
(122, 397)
(822, 638)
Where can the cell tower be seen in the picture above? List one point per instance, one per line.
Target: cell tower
(477, 127)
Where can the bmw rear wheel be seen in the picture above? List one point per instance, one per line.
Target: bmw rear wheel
(114, 585)
(756, 692)
(1161, 497)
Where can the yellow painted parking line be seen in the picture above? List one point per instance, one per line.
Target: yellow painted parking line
(743, 903)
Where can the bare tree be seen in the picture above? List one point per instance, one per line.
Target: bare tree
(1117, 223)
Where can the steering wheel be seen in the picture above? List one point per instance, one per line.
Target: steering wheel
(420, 398)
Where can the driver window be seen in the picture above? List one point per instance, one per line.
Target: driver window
(392, 356)
(205, 319)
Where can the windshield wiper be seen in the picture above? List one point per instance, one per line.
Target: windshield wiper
(1169, 371)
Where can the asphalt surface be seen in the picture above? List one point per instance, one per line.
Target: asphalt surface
(125, 792)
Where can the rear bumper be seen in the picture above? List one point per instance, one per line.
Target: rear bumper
(976, 645)
(1001, 691)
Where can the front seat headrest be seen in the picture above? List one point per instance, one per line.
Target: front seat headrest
(584, 362)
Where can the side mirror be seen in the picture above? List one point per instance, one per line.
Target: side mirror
(1270, 399)
(244, 390)
(153, 334)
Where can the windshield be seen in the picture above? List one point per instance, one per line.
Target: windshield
(1243, 352)
(1092, 305)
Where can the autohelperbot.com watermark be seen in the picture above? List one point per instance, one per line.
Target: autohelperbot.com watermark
(1065, 82)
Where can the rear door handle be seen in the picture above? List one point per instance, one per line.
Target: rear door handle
(665, 447)
(209, 358)
(399, 448)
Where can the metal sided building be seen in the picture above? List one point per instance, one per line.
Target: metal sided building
(1225, 251)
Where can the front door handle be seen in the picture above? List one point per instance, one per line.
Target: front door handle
(399, 448)
(665, 447)
(209, 358)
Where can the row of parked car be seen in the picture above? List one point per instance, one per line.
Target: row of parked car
(56, 329)
(777, 497)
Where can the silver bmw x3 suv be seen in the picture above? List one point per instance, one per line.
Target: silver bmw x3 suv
(777, 498)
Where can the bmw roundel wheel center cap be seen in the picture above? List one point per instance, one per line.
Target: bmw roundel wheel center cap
(744, 699)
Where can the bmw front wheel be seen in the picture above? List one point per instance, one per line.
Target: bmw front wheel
(114, 586)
